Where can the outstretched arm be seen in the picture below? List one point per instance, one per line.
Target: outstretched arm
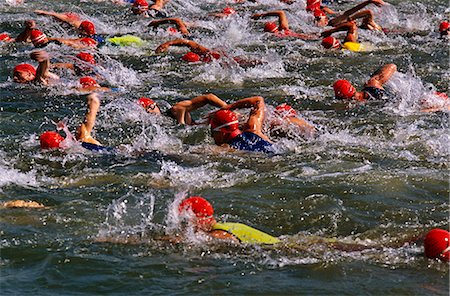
(381, 76)
(61, 17)
(25, 34)
(350, 27)
(282, 19)
(181, 110)
(171, 20)
(194, 46)
(85, 129)
(42, 72)
(343, 17)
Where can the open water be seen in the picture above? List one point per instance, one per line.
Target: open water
(376, 175)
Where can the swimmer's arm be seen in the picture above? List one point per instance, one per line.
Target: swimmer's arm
(255, 120)
(304, 126)
(182, 109)
(74, 43)
(328, 10)
(62, 65)
(42, 72)
(61, 17)
(381, 76)
(195, 47)
(222, 234)
(181, 26)
(158, 5)
(367, 22)
(282, 19)
(348, 13)
(85, 129)
(25, 34)
(350, 27)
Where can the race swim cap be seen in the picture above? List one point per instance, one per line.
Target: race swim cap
(330, 42)
(191, 57)
(228, 11)
(172, 30)
(38, 38)
(87, 57)
(212, 55)
(147, 103)
(89, 42)
(270, 27)
(24, 68)
(443, 27)
(319, 13)
(201, 208)
(344, 89)
(437, 245)
(312, 5)
(225, 121)
(140, 6)
(87, 27)
(285, 110)
(5, 37)
(50, 140)
(88, 81)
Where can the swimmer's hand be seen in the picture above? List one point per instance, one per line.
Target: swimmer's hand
(30, 24)
(378, 2)
(256, 16)
(162, 48)
(39, 56)
(43, 12)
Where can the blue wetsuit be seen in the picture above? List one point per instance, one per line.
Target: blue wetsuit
(376, 93)
(94, 147)
(249, 141)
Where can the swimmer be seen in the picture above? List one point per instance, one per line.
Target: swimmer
(180, 25)
(141, 7)
(26, 73)
(89, 84)
(199, 213)
(83, 64)
(435, 102)
(85, 27)
(282, 29)
(350, 40)
(181, 111)
(437, 244)
(286, 114)
(373, 88)
(53, 140)
(226, 12)
(443, 29)
(19, 203)
(225, 127)
(353, 14)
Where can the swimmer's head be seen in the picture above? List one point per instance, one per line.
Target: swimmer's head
(87, 28)
(87, 81)
(312, 5)
(210, 56)
(50, 140)
(320, 18)
(344, 89)
(228, 11)
(201, 209)
(437, 244)
(140, 6)
(443, 28)
(270, 27)
(149, 105)
(24, 73)
(38, 38)
(5, 37)
(330, 43)
(191, 57)
(89, 42)
(285, 110)
(86, 57)
(224, 126)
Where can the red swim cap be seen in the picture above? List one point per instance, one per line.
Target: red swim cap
(228, 11)
(312, 5)
(270, 27)
(201, 208)
(140, 6)
(444, 26)
(319, 13)
(50, 140)
(442, 95)
(24, 68)
(89, 42)
(330, 42)
(147, 103)
(344, 89)
(5, 37)
(88, 81)
(87, 27)
(87, 57)
(37, 37)
(284, 110)
(225, 121)
(191, 57)
(172, 30)
(437, 244)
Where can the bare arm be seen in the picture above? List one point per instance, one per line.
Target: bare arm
(85, 129)
(255, 120)
(343, 17)
(25, 34)
(381, 76)
(282, 19)
(42, 72)
(350, 27)
(74, 43)
(181, 26)
(158, 5)
(181, 109)
(195, 47)
(61, 17)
